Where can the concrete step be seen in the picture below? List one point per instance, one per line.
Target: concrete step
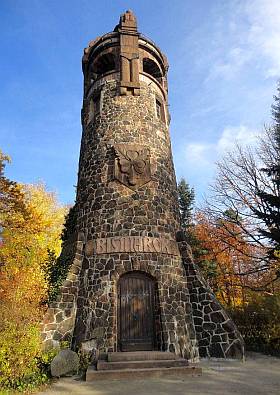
(141, 356)
(135, 374)
(104, 365)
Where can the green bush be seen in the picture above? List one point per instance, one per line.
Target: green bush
(259, 324)
(23, 366)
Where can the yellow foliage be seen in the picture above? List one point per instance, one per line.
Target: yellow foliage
(34, 230)
(47, 216)
(31, 221)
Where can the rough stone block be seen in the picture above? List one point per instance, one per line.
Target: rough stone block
(65, 363)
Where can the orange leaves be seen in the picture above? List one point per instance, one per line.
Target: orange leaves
(234, 259)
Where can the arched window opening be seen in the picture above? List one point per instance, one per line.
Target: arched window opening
(150, 67)
(103, 64)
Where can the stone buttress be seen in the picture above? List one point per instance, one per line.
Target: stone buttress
(128, 219)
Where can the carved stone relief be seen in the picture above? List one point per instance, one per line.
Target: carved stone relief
(132, 165)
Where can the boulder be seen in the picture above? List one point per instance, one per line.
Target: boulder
(65, 363)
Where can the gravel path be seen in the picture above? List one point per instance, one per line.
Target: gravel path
(259, 375)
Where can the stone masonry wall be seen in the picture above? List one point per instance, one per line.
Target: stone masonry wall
(97, 303)
(106, 207)
(58, 323)
(109, 209)
(86, 311)
(216, 333)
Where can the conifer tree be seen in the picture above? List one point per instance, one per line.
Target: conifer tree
(186, 196)
(186, 200)
(271, 199)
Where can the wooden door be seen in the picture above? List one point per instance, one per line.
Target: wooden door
(136, 293)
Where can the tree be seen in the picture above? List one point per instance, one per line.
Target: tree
(186, 196)
(11, 198)
(186, 200)
(269, 212)
(226, 261)
(247, 183)
(57, 268)
(31, 224)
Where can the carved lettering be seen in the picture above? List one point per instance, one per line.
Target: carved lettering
(148, 246)
(138, 244)
(101, 246)
(122, 245)
(157, 244)
(127, 244)
(164, 246)
(116, 244)
(131, 244)
(109, 245)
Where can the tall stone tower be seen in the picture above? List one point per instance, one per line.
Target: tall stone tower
(132, 284)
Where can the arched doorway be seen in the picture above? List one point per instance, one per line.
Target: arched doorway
(136, 312)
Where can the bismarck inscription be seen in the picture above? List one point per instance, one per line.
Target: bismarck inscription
(131, 244)
(132, 165)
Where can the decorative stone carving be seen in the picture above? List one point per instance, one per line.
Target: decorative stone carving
(131, 244)
(129, 54)
(132, 165)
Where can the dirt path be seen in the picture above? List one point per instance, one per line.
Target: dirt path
(259, 375)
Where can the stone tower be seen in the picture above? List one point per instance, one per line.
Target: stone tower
(132, 284)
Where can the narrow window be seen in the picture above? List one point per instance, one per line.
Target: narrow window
(91, 110)
(94, 107)
(159, 110)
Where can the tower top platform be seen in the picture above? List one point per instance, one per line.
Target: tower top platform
(127, 52)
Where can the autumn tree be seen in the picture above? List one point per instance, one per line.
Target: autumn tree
(11, 198)
(31, 222)
(227, 260)
(247, 183)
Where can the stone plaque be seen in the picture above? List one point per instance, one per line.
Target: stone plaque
(132, 165)
(131, 244)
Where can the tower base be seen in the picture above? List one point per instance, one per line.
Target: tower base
(187, 318)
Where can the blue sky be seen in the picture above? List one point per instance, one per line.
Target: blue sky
(224, 58)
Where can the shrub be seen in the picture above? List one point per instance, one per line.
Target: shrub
(19, 350)
(259, 324)
(23, 365)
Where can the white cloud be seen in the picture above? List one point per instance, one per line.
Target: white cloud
(252, 40)
(264, 33)
(235, 134)
(205, 154)
(236, 58)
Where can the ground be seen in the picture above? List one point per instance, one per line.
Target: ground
(258, 375)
